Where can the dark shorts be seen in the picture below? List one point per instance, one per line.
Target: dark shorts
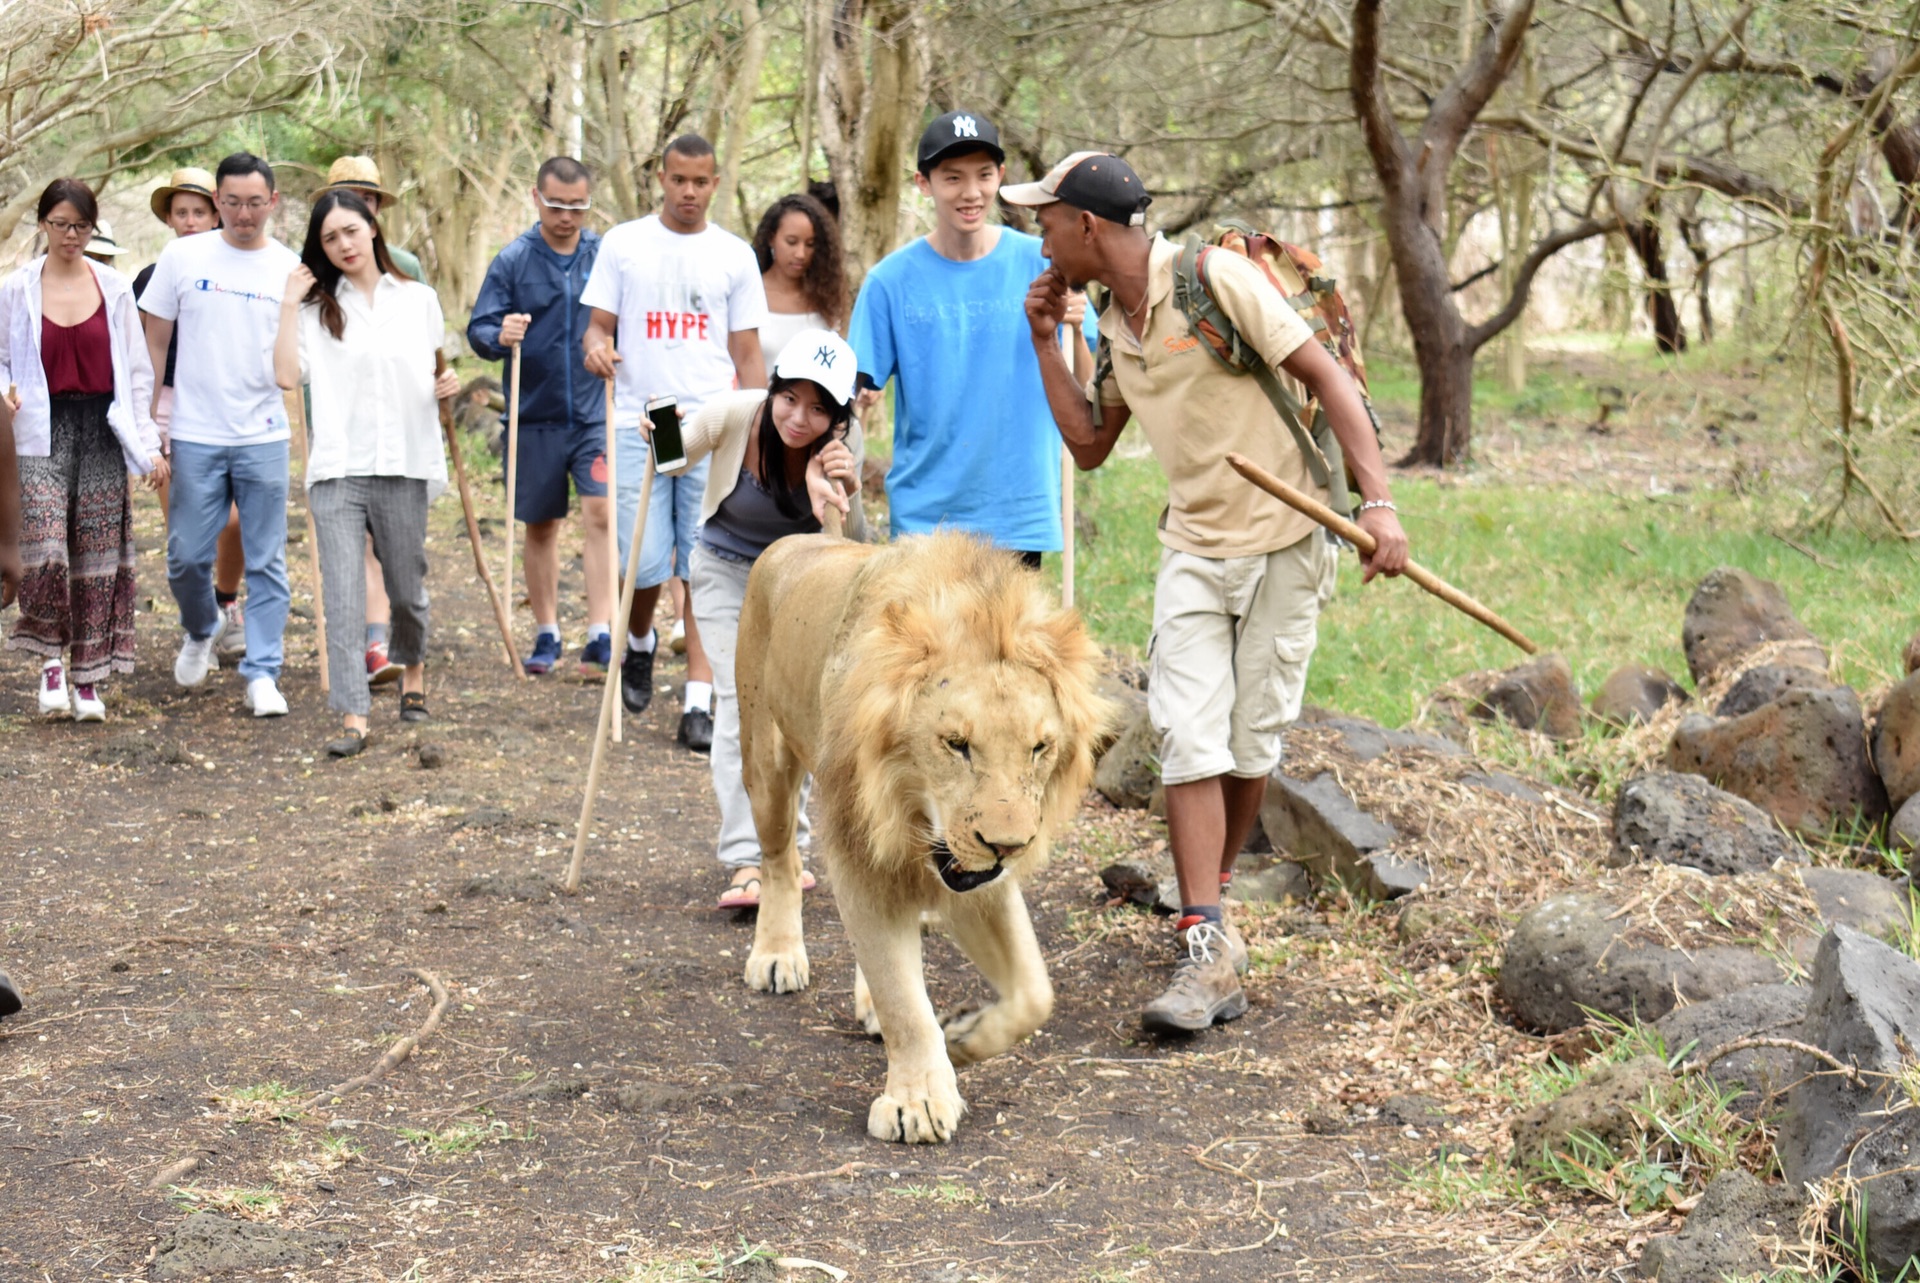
(548, 456)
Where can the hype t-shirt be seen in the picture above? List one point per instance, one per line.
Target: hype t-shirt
(677, 298)
(225, 307)
(974, 444)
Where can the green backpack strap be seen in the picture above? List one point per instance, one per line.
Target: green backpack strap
(1194, 296)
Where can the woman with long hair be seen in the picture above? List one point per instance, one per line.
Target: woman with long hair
(74, 358)
(363, 339)
(779, 456)
(804, 271)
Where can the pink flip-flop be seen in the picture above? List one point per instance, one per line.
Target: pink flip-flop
(746, 895)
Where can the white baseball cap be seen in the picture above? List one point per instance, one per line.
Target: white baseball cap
(819, 356)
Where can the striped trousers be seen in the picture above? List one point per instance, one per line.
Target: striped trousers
(394, 511)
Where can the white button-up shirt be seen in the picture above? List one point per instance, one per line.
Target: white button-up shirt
(374, 412)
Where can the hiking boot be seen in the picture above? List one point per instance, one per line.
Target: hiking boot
(196, 660)
(233, 634)
(1236, 949)
(87, 704)
(1204, 988)
(595, 656)
(380, 669)
(53, 690)
(265, 699)
(546, 653)
(696, 730)
(636, 680)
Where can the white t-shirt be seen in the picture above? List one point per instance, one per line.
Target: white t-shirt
(374, 412)
(777, 329)
(225, 307)
(677, 299)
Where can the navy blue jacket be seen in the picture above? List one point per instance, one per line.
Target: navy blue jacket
(527, 276)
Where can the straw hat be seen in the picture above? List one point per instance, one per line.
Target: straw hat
(358, 174)
(191, 179)
(103, 243)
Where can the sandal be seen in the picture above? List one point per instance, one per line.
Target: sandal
(745, 894)
(413, 706)
(349, 744)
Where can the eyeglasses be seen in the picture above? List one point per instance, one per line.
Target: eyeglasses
(58, 227)
(568, 206)
(254, 206)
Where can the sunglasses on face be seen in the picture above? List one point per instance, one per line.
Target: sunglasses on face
(567, 206)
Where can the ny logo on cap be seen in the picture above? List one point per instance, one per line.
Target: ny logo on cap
(965, 127)
(824, 356)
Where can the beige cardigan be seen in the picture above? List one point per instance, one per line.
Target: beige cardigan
(720, 428)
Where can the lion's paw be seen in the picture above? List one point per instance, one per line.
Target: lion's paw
(960, 1025)
(916, 1120)
(778, 970)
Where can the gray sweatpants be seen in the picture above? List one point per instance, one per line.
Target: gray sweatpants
(719, 587)
(394, 511)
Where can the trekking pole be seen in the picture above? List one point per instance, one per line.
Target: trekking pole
(1067, 339)
(299, 398)
(610, 691)
(1360, 539)
(619, 627)
(513, 466)
(473, 524)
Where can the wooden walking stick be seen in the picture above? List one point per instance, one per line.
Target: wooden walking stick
(513, 466)
(299, 399)
(1360, 539)
(473, 525)
(613, 563)
(1068, 337)
(610, 691)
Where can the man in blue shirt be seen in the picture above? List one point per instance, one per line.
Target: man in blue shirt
(974, 445)
(532, 297)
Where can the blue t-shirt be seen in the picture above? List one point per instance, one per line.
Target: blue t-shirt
(974, 444)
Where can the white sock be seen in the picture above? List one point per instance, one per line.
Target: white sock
(547, 630)
(597, 631)
(699, 696)
(643, 644)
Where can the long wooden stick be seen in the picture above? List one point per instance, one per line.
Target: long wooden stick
(513, 468)
(1066, 527)
(1360, 539)
(299, 398)
(613, 563)
(610, 692)
(473, 526)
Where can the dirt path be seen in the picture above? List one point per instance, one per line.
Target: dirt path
(212, 920)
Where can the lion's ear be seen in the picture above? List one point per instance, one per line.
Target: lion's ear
(908, 638)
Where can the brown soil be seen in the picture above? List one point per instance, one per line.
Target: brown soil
(212, 921)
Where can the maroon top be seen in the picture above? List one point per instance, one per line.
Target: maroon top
(78, 359)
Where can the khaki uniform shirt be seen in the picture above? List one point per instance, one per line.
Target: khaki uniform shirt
(1194, 410)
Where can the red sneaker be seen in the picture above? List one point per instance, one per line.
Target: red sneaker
(380, 669)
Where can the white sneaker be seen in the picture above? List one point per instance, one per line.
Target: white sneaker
(677, 639)
(264, 698)
(232, 632)
(87, 704)
(53, 690)
(195, 661)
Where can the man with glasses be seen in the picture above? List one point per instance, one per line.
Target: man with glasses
(230, 429)
(532, 297)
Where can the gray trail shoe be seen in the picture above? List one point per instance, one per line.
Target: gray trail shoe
(1204, 988)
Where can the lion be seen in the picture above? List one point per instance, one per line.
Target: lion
(948, 711)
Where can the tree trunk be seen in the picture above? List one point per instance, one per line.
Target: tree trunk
(1693, 234)
(741, 90)
(615, 165)
(871, 99)
(1446, 404)
(1642, 231)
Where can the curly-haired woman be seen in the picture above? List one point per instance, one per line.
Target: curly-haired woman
(803, 269)
(74, 359)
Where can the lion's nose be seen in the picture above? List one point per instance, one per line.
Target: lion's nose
(1003, 850)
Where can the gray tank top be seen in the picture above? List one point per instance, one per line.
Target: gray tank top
(748, 520)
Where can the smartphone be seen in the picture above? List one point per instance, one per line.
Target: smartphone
(669, 452)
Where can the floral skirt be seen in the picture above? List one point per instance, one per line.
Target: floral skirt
(76, 540)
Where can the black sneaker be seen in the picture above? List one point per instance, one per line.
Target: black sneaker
(696, 730)
(636, 680)
(9, 996)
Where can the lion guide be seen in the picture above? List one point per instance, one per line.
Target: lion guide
(947, 709)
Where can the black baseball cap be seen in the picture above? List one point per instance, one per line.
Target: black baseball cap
(1101, 184)
(956, 134)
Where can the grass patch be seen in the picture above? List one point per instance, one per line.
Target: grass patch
(462, 1138)
(256, 1204)
(948, 1193)
(268, 1102)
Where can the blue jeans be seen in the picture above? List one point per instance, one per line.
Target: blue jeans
(673, 514)
(206, 478)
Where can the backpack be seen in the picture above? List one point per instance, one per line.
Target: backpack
(1299, 277)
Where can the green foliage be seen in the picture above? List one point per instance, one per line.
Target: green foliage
(463, 1138)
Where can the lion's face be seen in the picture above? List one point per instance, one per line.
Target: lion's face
(985, 744)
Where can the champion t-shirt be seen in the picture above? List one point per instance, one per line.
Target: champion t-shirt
(677, 298)
(225, 307)
(974, 444)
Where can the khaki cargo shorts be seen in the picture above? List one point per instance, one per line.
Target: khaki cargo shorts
(1228, 661)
